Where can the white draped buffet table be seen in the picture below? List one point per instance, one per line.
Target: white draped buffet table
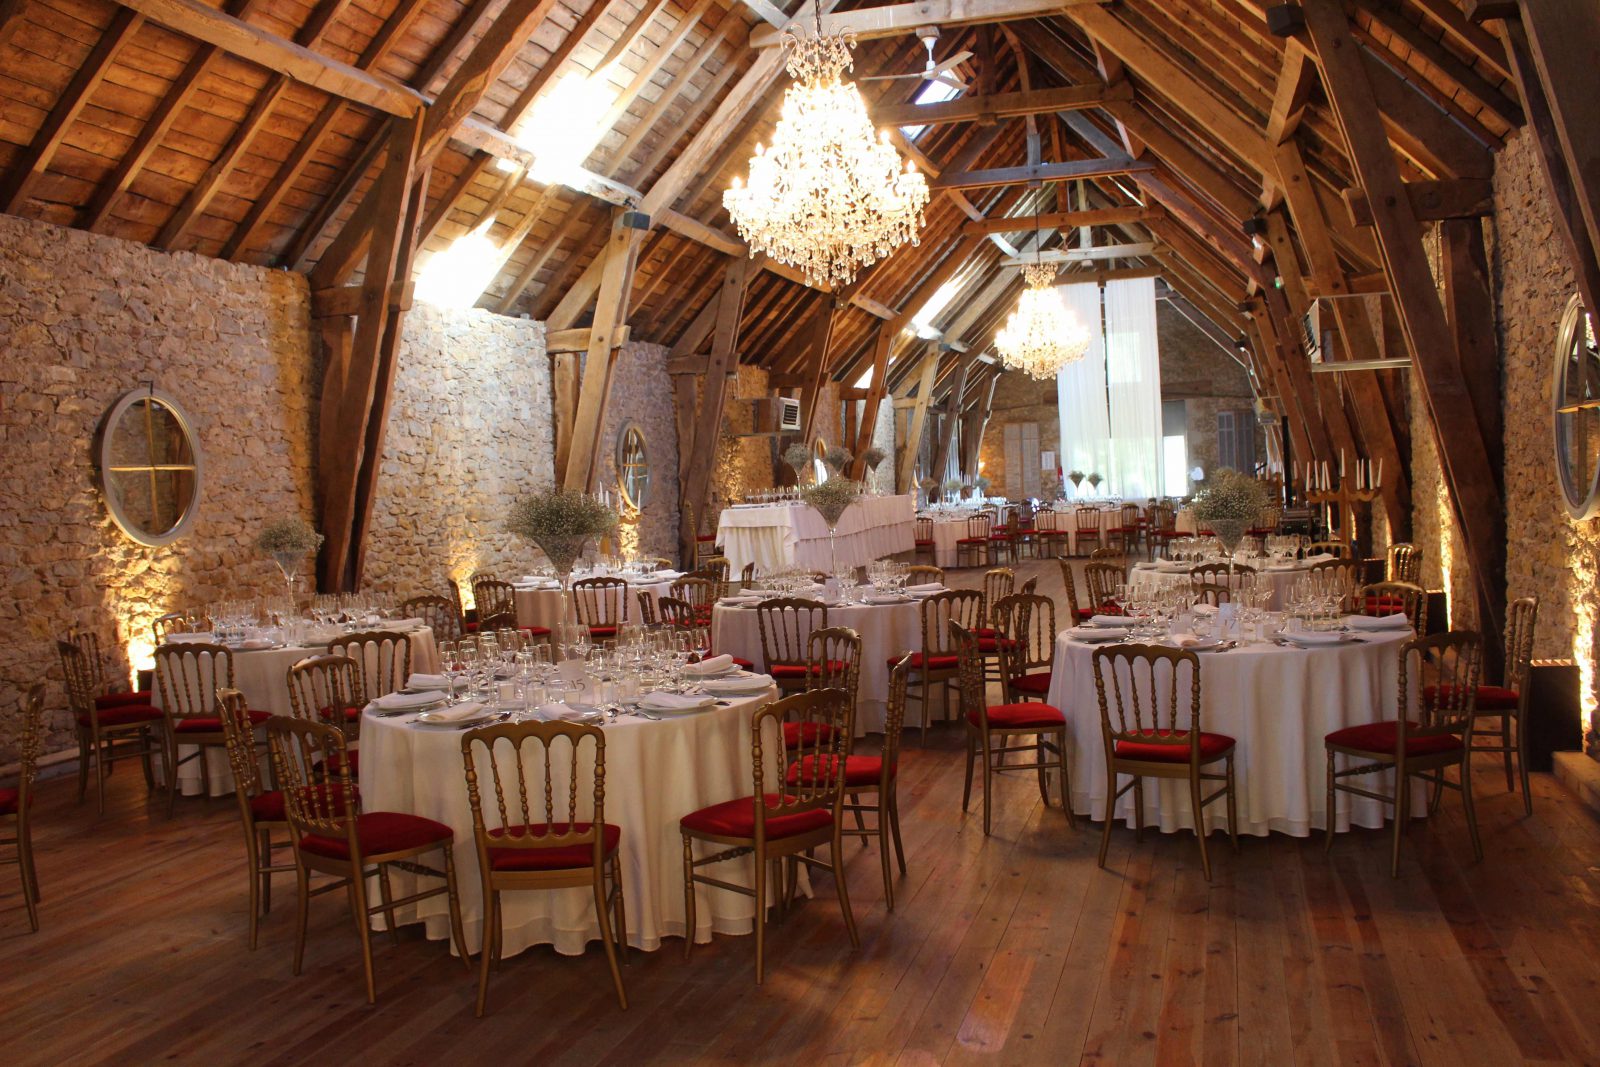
(1277, 703)
(776, 536)
(656, 773)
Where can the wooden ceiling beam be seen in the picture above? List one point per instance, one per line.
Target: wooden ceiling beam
(1392, 19)
(1000, 106)
(1040, 172)
(1062, 220)
(891, 20)
(1458, 198)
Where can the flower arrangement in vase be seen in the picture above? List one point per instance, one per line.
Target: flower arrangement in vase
(982, 483)
(1229, 504)
(1094, 481)
(1076, 478)
(929, 486)
(560, 523)
(832, 499)
(952, 488)
(288, 542)
(798, 457)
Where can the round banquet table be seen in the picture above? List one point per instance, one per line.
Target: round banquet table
(1277, 703)
(538, 606)
(262, 676)
(1277, 579)
(656, 773)
(887, 630)
(947, 530)
(1068, 520)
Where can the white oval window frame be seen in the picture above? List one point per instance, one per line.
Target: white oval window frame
(103, 462)
(1578, 506)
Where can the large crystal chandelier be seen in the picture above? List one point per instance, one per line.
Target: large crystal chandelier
(827, 197)
(1042, 335)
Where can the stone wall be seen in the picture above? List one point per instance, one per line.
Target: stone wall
(469, 430)
(84, 319)
(641, 392)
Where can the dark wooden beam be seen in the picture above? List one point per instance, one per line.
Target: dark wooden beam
(1000, 105)
(721, 367)
(1057, 220)
(1457, 198)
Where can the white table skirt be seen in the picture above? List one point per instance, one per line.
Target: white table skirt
(1278, 704)
(1183, 522)
(263, 678)
(1144, 576)
(886, 630)
(776, 536)
(542, 607)
(946, 532)
(1068, 520)
(656, 773)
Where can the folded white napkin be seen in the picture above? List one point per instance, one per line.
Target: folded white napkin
(191, 639)
(427, 681)
(563, 712)
(708, 667)
(1397, 621)
(675, 702)
(1318, 637)
(400, 701)
(926, 587)
(1318, 558)
(740, 601)
(1111, 620)
(459, 713)
(739, 683)
(256, 644)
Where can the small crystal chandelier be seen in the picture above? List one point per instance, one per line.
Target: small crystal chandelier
(1042, 335)
(827, 197)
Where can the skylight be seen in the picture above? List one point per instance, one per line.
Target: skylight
(934, 92)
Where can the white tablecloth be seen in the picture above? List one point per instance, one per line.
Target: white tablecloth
(1278, 704)
(263, 678)
(1279, 581)
(886, 630)
(656, 773)
(1183, 522)
(946, 532)
(541, 607)
(774, 536)
(1109, 518)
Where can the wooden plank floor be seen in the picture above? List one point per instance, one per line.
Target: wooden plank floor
(1010, 949)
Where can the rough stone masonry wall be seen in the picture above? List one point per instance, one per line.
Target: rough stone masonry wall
(641, 392)
(469, 430)
(84, 319)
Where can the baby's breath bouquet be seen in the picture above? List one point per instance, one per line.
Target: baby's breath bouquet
(952, 486)
(289, 541)
(1094, 480)
(837, 458)
(1229, 505)
(798, 457)
(832, 499)
(561, 521)
(873, 456)
(929, 486)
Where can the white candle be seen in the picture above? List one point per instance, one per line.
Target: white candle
(1341, 463)
(1378, 484)
(1326, 481)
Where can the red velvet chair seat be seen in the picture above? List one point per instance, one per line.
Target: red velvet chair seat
(1003, 535)
(859, 771)
(561, 858)
(128, 714)
(335, 763)
(989, 645)
(210, 724)
(737, 818)
(117, 700)
(1020, 716)
(1038, 682)
(922, 543)
(535, 631)
(800, 670)
(1380, 606)
(8, 801)
(270, 807)
(1212, 746)
(602, 631)
(350, 714)
(1380, 738)
(379, 833)
(705, 537)
(935, 663)
(1490, 697)
(796, 734)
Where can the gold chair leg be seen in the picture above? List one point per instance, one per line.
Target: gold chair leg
(1138, 810)
(454, 899)
(253, 869)
(1331, 815)
(303, 880)
(894, 825)
(26, 873)
(688, 896)
(762, 874)
(1199, 821)
(1233, 808)
(1039, 758)
(988, 782)
(1522, 767)
(883, 850)
(622, 911)
(966, 790)
(607, 936)
(1471, 809)
(358, 906)
(83, 767)
(1110, 813)
(1505, 743)
(1402, 813)
(385, 895)
(842, 886)
(491, 919)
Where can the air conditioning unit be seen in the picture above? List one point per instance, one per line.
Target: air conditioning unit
(1313, 338)
(788, 415)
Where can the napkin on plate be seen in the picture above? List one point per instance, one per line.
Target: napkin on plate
(1318, 637)
(427, 681)
(459, 713)
(402, 701)
(675, 702)
(1397, 621)
(563, 712)
(739, 683)
(708, 667)
(1111, 620)
(256, 644)
(926, 587)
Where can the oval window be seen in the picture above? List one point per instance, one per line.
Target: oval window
(150, 469)
(1575, 408)
(633, 466)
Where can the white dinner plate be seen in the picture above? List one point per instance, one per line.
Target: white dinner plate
(1096, 635)
(443, 718)
(659, 704)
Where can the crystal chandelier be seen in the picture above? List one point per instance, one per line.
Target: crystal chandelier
(827, 197)
(1042, 335)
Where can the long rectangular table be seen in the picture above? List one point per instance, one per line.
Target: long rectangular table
(777, 536)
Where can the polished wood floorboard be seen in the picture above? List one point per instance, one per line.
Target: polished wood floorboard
(1012, 949)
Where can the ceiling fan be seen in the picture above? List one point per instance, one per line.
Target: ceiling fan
(934, 71)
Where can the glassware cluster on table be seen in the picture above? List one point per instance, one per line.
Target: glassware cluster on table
(603, 567)
(1162, 613)
(782, 495)
(1273, 548)
(507, 672)
(277, 622)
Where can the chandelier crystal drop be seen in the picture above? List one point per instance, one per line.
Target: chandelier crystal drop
(1042, 335)
(827, 197)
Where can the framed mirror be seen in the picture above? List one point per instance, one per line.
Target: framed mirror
(633, 466)
(1575, 411)
(150, 469)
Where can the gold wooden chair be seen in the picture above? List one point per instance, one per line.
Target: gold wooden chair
(549, 845)
(1162, 529)
(328, 689)
(1024, 532)
(1213, 593)
(786, 624)
(497, 608)
(649, 613)
(1390, 598)
(382, 658)
(601, 605)
(1148, 735)
(1026, 626)
(998, 583)
(937, 661)
(869, 784)
(1003, 540)
(106, 734)
(178, 622)
(16, 804)
(973, 549)
(442, 615)
(1103, 580)
(1443, 671)
(922, 538)
(747, 577)
(1403, 563)
(189, 675)
(1344, 573)
(1076, 612)
(1235, 578)
(1337, 549)
(108, 691)
(923, 574)
(330, 837)
(1508, 701)
(260, 811)
(785, 825)
(719, 570)
(1086, 523)
(991, 730)
(699, 593)
(1125, 534)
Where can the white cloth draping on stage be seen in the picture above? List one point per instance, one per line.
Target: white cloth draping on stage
(886, 630)
(541, 607)
(263, 677)
(1279, 579)
(775, 536)
(1277, 703)
(656, 773)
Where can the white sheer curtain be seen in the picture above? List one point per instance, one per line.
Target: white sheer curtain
(1081, 392)
(1133, 386)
